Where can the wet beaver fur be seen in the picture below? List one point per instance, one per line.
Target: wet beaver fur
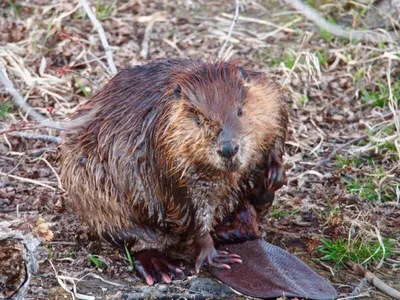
(180, 154)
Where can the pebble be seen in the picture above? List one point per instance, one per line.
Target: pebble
(208, 285)
(4, 202)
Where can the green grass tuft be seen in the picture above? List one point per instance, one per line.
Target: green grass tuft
(289, 60)
(368, 188)
(359, 74)
(5, 108)
(326, 35)
(14, 7)
(365, 188)
(311, 3)
(103, 10)
(322, 57)
(82, 88)
(302, 100)
(279, 213)
(129, 258)
(356, 250)
(345, 162)
(380, 96)
(97, 262)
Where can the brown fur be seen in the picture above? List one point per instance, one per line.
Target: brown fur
(142, 171)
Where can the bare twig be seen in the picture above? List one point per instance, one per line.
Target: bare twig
(101, 278)
(28, 180)
(33, 136)
(13, 210)
(144, 52)
(98, 59)
(53, 170)
(299, 53)
(375, 281)
(39, 152)
(345, 145)
(19, 100)
(314, 16)
(360, 287)
(235, 19)
(158, 16)
(43, 122)
(62, 283)
(355, 297)
(262, 22)
(100, 30)
(5, 131)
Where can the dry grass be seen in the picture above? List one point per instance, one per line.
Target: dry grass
(346, 97)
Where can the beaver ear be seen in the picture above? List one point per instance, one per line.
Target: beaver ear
(177, 91)
(243, 74)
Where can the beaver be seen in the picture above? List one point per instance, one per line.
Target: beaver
(179, 154)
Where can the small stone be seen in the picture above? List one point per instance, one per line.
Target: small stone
(343, 82)
(10, 189)
(334, 85)
(337, 117)
(3, 183)
(210, 286)
(162, 288)
(4, 202)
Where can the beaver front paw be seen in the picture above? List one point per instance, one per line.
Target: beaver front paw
(276, 173)
(153, 266)
(218, 259)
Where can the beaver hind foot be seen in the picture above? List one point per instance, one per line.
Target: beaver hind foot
(154, 267)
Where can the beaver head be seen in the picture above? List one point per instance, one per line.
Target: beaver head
(222, 118)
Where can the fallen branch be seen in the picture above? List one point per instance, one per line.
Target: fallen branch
(100, 31)
(345, 145)
(17, 210)
(9, 87)
(28, 180)
(15, 127)
(314, 16)
(43, 122)
(102, 279)
(39, 152)
(33, 136)
(375, 281)
(359, 287)
(230, 32)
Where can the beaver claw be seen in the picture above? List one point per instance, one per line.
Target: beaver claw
(153, 266)
(276, 172)
(214, 258)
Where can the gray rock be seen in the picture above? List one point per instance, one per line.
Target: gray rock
(201, 284)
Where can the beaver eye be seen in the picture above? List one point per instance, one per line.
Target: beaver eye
(198, 121)
(240, 112)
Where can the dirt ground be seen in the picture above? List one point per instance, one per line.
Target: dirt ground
(345, 95)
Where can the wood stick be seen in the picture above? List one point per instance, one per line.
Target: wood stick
(33, 136)
(20, 101)
(235, 19)
(375, 281)
(28, 180)
(43, 122)
(341, 147)
(314, 16)
(100, 31)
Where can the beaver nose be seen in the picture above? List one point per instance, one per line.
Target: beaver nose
(228, 150)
